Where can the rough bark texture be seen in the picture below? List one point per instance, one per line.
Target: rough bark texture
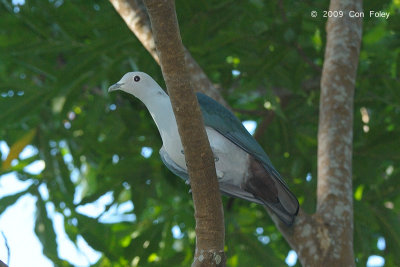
(135, 16)
(326, 237)
(335, 132)
(210, 229)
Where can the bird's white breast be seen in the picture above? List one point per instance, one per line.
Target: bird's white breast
(231, 162)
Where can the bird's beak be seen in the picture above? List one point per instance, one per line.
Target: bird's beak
(115, 87)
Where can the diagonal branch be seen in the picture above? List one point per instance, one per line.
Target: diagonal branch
(210, 230)
(2, 264)
(136, 18)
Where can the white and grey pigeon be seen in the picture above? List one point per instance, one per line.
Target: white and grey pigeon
(243, 168)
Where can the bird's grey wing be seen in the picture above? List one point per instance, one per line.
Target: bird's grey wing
(172, 166)
(222, 120)
(225, 188)
(235, 191)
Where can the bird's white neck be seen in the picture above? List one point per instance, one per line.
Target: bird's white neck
(159, 106)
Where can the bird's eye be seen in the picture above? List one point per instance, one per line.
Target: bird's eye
(136, 78)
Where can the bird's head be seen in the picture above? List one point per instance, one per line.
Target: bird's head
(135, 83)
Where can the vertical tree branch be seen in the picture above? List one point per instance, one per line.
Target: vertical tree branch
(136, 18)
(199, 158)
(335, 132)
(326, 237)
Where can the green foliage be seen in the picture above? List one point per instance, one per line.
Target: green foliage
(57, 59)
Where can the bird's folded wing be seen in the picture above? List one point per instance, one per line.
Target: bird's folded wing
(222, 120)
(225, 188)
(235, 191)
(172, 166)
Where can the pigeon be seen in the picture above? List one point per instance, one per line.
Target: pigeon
(243, 168)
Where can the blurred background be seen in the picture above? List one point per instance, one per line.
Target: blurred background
(81, 181)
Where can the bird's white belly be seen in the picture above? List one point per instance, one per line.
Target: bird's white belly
(231, 162)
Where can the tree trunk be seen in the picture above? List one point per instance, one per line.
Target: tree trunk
(326, 237)
(335, 133)
(209, 217)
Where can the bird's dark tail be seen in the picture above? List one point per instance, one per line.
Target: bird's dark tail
(287, 206)
(272, 192)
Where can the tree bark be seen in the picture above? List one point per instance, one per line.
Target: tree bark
(209, 217)
(326, 237)
(136, 18)
(335, 132)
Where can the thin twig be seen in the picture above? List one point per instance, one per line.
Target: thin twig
(262, 127)
(8, 250)
(2, 264)
(254, 112)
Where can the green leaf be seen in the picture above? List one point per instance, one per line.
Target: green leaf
(7, 201)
